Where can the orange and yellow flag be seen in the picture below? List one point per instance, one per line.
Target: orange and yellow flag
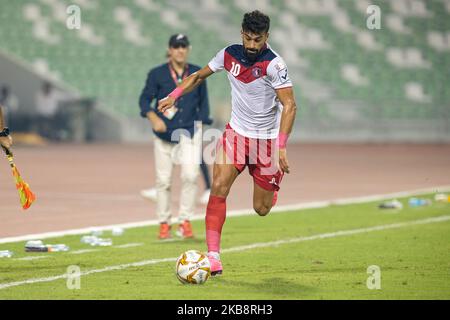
(27, 197)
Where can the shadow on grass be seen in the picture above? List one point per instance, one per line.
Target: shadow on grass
(274, 287)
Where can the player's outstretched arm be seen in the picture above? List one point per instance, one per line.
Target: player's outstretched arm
(188, 84)
(2, 122)
(286, 97)
(5, 141)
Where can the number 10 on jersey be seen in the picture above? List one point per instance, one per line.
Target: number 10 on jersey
(235, 69)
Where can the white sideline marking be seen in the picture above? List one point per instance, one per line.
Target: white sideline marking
(239, 249)
(81, 251)
(32, 258)
(232, 213)
(128, 245)
(169, 240)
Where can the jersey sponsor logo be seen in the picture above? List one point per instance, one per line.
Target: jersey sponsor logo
(283, 75)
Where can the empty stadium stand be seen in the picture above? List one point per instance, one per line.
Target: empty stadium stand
(344, 72)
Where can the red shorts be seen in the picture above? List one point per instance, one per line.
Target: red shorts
(257, 154)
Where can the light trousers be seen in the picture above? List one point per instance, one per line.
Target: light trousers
(186, 153)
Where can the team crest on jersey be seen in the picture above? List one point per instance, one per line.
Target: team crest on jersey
(257, 72)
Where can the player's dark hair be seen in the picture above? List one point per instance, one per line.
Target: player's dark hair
(256, 22)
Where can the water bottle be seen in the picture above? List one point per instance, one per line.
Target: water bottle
(57, 248)
(101, 242)
(39, 246)
(34, 243)
(393, 204)
(35, 246)
(96, 232)
(88, 239)
(417, 202)
(442, 197)
(6, 254)
(117, 231)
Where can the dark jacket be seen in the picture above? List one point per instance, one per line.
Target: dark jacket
(193, 106)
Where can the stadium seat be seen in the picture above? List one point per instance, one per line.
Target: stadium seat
(330, 52)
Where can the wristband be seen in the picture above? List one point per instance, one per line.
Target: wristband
(178, 92)
(282, 140)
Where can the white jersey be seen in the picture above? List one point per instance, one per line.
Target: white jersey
(256, 111)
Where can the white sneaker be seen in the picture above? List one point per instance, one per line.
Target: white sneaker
(149, 194)
(205, 197)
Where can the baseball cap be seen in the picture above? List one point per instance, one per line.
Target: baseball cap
(178, 40)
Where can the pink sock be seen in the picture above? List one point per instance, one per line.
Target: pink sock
(215, 218)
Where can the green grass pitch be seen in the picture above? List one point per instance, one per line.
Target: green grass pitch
(414, 259)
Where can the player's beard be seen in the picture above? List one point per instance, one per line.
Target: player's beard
(251, 55)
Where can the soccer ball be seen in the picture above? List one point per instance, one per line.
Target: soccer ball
(193, 267)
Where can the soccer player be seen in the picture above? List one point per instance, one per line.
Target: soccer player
(168, 149)
(5, 138)
(263, 113)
